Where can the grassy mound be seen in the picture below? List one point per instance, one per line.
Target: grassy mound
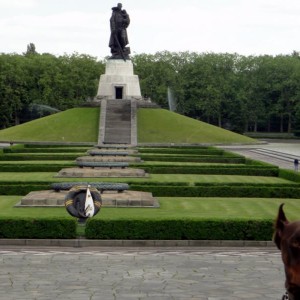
(163, 126)
(73, 125)
(154, 126)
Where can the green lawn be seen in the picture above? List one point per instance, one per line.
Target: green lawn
(173, 208)
(73, 125)
(163, 126)
(154, 126)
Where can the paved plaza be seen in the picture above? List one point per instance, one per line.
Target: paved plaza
(140, 273)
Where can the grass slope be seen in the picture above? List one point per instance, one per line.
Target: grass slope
(163, 126)
(154, 126)
(73, 125)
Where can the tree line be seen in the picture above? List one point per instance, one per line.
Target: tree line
(44, 80)
(240, 93)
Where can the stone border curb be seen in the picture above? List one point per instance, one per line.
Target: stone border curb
(132, 243)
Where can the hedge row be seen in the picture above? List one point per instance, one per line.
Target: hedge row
(221, 191)
(228, 170)
(21, 189)
(289, 175)
(44, 150)
(54, 228)
(184, 229)
(214, 159)
(34, 167)
(13, 157)
(198, 151)
(84, 147)
(182, 189)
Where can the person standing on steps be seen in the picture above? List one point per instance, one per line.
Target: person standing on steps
(296, 164)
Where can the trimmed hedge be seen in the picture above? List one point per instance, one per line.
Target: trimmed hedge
(224, 170)
(184, 229)
(289, 175)
(21, 189)
(221, 191)
(20, 157)
(53, 228)
(196, 151)
(64, 145)
(45, 150)
(34, 167)
(195, 158)
(158, 183)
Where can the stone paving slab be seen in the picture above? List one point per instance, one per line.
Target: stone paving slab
(204, 274)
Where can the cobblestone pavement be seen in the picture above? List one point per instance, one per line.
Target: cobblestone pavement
(143, 273)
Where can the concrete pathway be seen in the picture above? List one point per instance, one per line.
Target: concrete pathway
(277, 152)
(140, 273)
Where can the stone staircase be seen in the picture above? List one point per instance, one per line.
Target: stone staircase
(118, 119)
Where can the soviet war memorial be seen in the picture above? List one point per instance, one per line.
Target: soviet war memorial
(171, 175)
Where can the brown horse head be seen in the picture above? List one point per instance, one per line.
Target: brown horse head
(287, 239)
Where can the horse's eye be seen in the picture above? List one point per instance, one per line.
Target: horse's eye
(295, 243)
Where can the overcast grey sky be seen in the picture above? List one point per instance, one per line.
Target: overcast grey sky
(248, 27)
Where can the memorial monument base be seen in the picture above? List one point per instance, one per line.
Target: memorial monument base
(119, 81)
(50, 198)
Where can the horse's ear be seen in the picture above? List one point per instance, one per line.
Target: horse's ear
(280, 223)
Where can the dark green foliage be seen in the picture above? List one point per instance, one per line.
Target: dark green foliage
(54, 228)
(59, 82)
(228, 170)
(183, 229)
(26, 157)
(176, 150)
(34, 167)
(289, 175)
(22, 189)
(194, 158)
(44, 150)
(221, 191)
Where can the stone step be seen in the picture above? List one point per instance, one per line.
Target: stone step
(101, 172)
(50, 198)
(117, 129)
(117, 139)
(129, 159)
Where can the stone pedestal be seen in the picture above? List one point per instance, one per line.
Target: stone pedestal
(119, 82)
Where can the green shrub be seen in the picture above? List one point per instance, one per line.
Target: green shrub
(34, 167)
(221, 191)
(198, 151)
(224, 170)
(24, 157)
(53, 228)
(157, 183)
(184, 229)
(195, 158)
(21, 189)
(44, 150)
(289, 175)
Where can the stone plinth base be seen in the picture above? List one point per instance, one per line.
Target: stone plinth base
(116, 151)
(50, 198)
(108, 159)
(100, 172)
(119, 82)
(114, 147)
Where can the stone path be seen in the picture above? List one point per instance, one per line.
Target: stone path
(140, 273)
(277, 152)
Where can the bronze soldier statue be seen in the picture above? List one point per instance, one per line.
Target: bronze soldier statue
(119, 22)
